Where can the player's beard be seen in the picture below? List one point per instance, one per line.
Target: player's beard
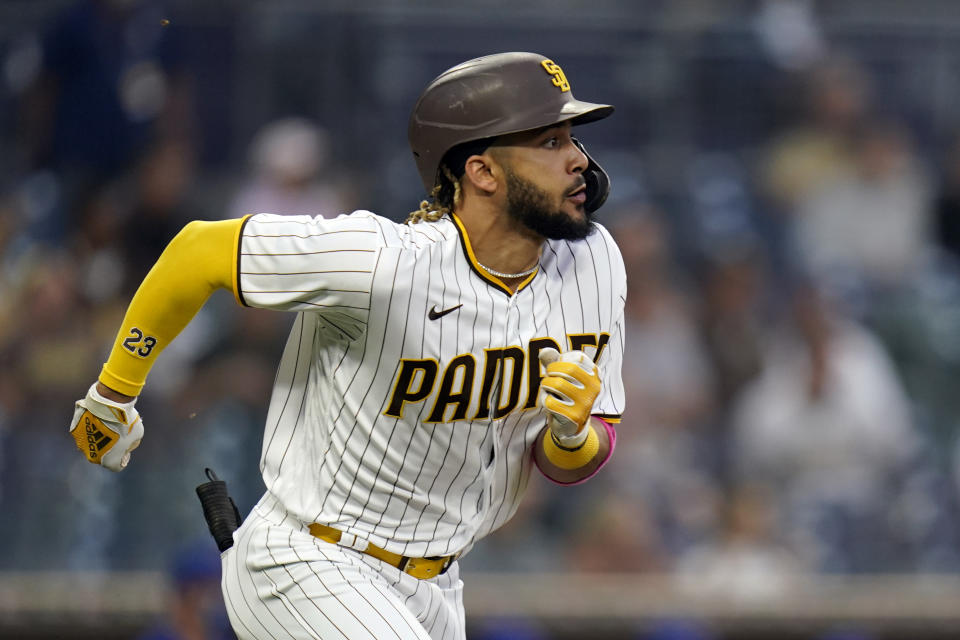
(531, 206)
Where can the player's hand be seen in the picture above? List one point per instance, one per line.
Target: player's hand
(567, 393)
(106, 431)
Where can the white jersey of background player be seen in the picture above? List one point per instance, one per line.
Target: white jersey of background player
(431, 366)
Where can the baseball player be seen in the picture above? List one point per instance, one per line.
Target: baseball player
(431, 367)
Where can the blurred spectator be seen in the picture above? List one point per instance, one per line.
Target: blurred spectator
(663, 461)
(664, 364)
(53, 334)
(12, 249)
(111, 78)
(947, 202)
(746, 561)
(733, 278)
(617, 535)
(872, 223)
(289, 158)
(13, 408)
(50, 349)
(96, 242)
(789, 32)
(195, 608)
(827, 425)
(812, 152)
(160, 207)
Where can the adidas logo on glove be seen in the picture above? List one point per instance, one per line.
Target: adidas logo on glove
(96, 438)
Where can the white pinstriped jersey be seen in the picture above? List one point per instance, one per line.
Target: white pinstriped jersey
(404, 406)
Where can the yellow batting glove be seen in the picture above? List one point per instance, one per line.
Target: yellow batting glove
(567, 393)
(106, 431)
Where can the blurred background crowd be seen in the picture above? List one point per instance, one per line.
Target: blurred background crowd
(786, 194)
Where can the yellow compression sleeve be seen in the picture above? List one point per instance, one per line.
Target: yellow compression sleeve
(568, 459)
(199, 260)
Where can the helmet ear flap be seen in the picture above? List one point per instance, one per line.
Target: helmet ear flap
(598, 182)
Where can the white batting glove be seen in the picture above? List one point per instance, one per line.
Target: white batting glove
(567, 394)
(106, 431)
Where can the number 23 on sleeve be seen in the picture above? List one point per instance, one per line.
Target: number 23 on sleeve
(138, 343)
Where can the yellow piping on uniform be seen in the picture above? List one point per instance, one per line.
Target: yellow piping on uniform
(483, 273)
(235, 277)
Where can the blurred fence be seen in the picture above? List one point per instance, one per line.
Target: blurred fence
(562, 606)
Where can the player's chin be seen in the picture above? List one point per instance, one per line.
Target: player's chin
(574, 209)
(571, 223)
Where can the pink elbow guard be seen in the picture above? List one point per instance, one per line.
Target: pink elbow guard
(611, 434)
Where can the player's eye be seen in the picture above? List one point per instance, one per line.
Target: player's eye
(552, 142)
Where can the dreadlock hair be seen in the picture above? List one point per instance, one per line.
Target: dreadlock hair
(446, 194)
(444, 198)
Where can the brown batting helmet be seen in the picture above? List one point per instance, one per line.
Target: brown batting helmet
(492, 96)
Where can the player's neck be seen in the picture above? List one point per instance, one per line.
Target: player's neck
(499, 244)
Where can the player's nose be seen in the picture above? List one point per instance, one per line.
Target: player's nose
(578, 160)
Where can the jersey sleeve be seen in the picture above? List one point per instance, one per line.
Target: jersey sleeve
(609, 405)
(313, 264)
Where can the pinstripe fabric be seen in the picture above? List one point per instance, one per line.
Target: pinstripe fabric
(279, 582)
(350, 440)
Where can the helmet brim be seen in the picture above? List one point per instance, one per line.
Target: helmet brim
(585, 112)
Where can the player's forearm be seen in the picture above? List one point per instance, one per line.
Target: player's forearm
(198, 261)
(112, 394)
(572, 467)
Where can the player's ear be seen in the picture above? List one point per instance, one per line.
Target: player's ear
(481, 170)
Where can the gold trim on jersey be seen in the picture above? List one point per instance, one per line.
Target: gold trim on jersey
(237, 248)
(479, 270)
(612, 418)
